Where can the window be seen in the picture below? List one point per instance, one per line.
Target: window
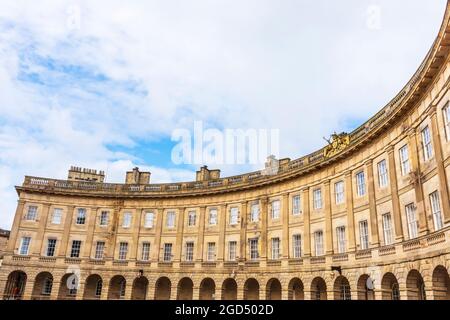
(254, 216)
(382, 174)
(170, 219)
(395, 292)
(167, 252)
(192, 216)
(24, 246)
(99, 250)
(98, 288)
(31, 213)
(297, 246)
(123, 250)
(446, 112)
(234, 214)
(275, 209)
(57, 216)
(404, 160)
(436, 210)
(76, 248)
(211, 253)
(339, 192)
(317, 199)
(364, 234)
(47, 286)
(341, 242)
(318, 242)
(213, 217)
(412, 221)
(145, 255)
(254, 249)
(51, 246)
(427, 145)
(387, 229)
(123, 286)
(126, 223)
(104, 218)
(189, 251)
(275, 248)
(81, 216)
(149, 218)
(360, 184)
(296, 205)
(232, 250)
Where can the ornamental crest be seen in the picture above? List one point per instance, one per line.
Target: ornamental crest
(336, 144)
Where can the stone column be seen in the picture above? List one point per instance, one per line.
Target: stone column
(128, 288)
(222, 225)
(350, 213)
(27, 292)
(396, 213)
(285, 223)
(243, 235)
(196, 293)
(151, 290)
(40, 240)
(55, 288)
(328, 220)
(80, 290)
(263, 206)
(136, 231)
(158, 231)
(115, 227)
(105, 290)
(15, 228)
(201, 234)
(90, 233)
(66, 233)
(179, 238)
(440, 165)
(372, 204)
(306, 223)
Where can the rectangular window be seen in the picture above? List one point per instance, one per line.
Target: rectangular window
(404, 160)
(145, 256)
(232, 250)
(81, 216)
(213, 217)
(126, 223)
(436, 210)
(339, 192)
(360, 184)
(51, 247)
(234, 215)
(275, 248)
(413, 224)
(76, 248)
(297, 246)
(211, 253)
(31, 213)
(98, 288)
(24, 246)
(275, 210)
(387, 229)
(296, 205)
(167, 252)
(170, 223)
(104, 218)
(317, 199)
(341, 241)
(57, 216)
(446, 112)
(427, 145)
(192, 217)
(254, 254)
(364, 234)
(99, 250)
(254, 216)
(47, 286)
(189, 256)
(123, 250)
(382, 174)
(149, 220)
(318, 243)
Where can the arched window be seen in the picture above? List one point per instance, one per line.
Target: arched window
(395, 292)
(98, 288)
(47, 286)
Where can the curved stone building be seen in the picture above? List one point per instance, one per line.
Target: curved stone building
(366, 217)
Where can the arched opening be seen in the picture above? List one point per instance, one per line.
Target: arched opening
(15, 285)
(229, 289)
(273, 289)
(251, 289)
(68, 288)
(318, 289)
(207, 289)
(441, 284)
(117, 288)
(140, 285)
(93, 287)
(365, 288)
(342, 289)
(389, 287)
(163, 289)
(185, 289)
(295, 290)
(43, 285)
(415, 286)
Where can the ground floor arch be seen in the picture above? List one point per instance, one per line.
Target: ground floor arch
(139, 290)
(415, 286)
(251, 289)
(365, 289)
(441, 283)
(273, 289)
(43, 285)
(296, 289)
(389, 287)
(93, 287)
(342, 289)
(163, 288)
(117, 288)
(318, 289)
(68, 287)
(207, 289)
(229, 289)
(15, 285)
(185, 289)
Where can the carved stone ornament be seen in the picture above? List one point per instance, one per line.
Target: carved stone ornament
(336, 144)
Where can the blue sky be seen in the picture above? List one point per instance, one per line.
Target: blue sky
(104, 84)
